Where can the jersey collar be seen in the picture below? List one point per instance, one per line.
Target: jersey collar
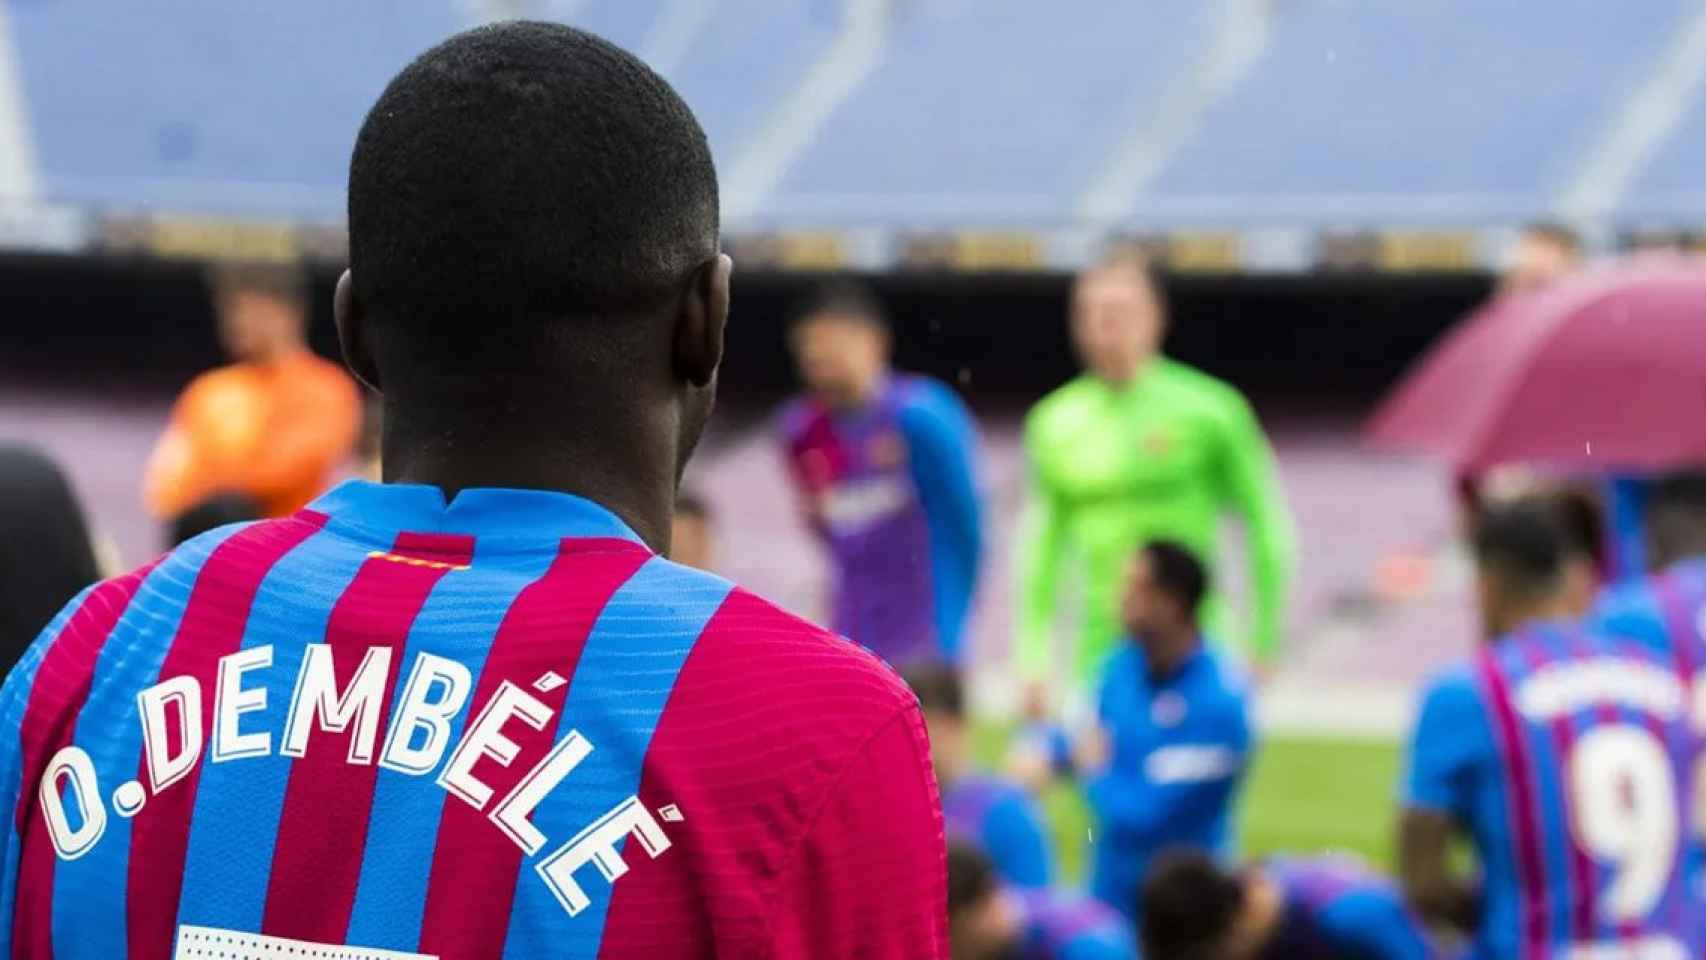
(487, 512)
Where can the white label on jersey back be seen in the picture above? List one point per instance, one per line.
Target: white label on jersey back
(205, 943)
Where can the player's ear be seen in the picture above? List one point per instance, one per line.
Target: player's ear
(701, 318)
(351, 319)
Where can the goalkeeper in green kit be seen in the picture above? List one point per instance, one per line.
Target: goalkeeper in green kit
(1137, 448)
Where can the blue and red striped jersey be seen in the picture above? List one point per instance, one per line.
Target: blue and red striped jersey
(1058, 924)
(1568, 757)
(498, 727)
(1000, 818)
(891, 490)
(1335, 908)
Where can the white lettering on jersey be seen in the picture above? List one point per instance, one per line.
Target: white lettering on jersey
(512, 811)
(419, 712)
(428, 703)
(317, 699)
(72, 765)
(183, 694)
(853, 507)
(231, 701)
(597, 845)
(485, 738)
(1567, 686)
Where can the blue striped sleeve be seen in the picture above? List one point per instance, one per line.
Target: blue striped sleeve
(942, 442)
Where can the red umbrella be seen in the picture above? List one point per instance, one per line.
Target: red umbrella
(1607, 368)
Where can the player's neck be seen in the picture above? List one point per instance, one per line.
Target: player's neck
(621, 467)
(1537, 613)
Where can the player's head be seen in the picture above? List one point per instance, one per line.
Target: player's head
(942, 696)
(1195, 909)
(1676, 517)
(261, 309)
(1545, 252)
(982, 921)
(691, 540)
(534, 258)
(1118, 317)
(1165, 584)
(1520, 547)
(840, 341)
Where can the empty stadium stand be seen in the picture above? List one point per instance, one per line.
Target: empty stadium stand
(945, 115)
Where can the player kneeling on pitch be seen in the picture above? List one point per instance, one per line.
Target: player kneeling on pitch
(1562, 754)
(993, 812)
(987, 921)
(1321, 908)
(1175, 718)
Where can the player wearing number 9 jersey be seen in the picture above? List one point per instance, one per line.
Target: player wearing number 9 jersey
(1566, 757)
(470, 713)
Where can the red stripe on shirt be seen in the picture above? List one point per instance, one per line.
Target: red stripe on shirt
(475, 866)
(1580, 871)
(211, 627)
(731, 753)
(1525, 830)
(322, 829)
(61, 687)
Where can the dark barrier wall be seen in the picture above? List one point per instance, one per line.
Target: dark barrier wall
(1318, 339)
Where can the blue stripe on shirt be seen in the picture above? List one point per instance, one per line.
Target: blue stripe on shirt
(623, 680)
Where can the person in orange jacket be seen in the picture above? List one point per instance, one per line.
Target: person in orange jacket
(273, 425)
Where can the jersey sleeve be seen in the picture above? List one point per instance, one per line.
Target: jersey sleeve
(941, 441)
(1013, 835)
(1449, 742)
(1250, 483)
(1037, 562)
(869, 876)
(1191, 774)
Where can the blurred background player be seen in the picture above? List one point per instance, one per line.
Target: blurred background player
(1139, 447)
(1557, 753)
(995, 814)
(46, 554)
(692, 538)
(1174, 734)
(885, 465)
(987, 921)
(273, 425)
(1323, 908)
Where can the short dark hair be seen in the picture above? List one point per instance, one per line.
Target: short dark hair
(520, 172)
(1190, 903)
(938, 687)
(971, 877)
(1561, 235)
(1676, 516)
(1523, 543)
(690, 504)
(214, 512)
(843, 298)
(1178, 572)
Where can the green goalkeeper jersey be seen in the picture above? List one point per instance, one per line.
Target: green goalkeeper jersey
(1111, 467)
